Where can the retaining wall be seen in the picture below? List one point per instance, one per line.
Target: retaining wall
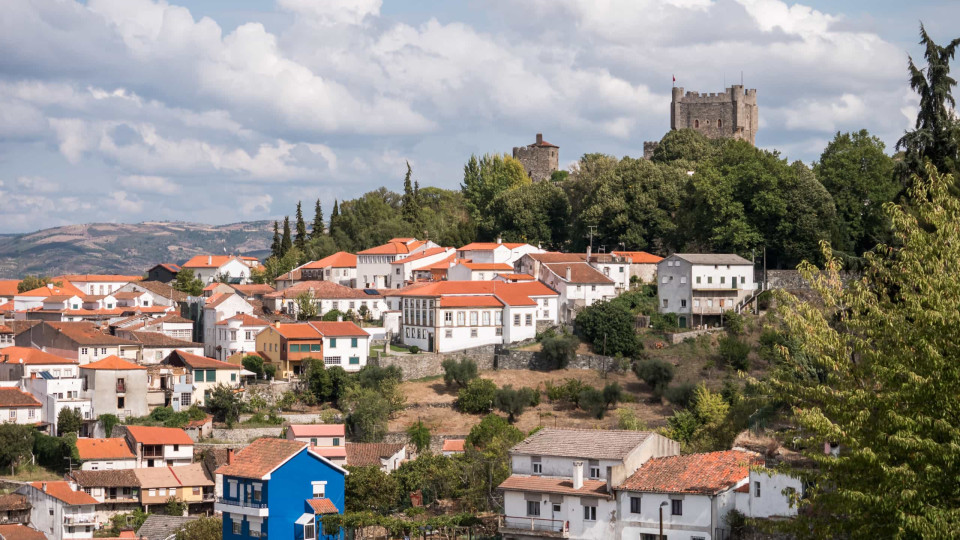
(245, 435)
(678, 337)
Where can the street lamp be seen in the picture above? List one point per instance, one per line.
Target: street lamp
(664, 503)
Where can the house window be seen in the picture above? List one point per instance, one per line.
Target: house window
(537, 466)
(120, 403)
(294, 348)
(499, 330)
(315, 347)
(683, 303)
(696, 303)
(237, 525)
(709, 303)
(664, 279)
(31, 413)
(528, 320)
(709, 279)
(331, 360)
(336, 441)
(151, 493)
(486, 318)
(473, 318)
(473, 332)
(233, 377)
(333, 343)
(211, 375)
(676, 507)
(696, 123)
(665, 302)
(257, 494)
(461, 317)
(448, 318)
(249, 335)
(449, 334)
(498, 318)
(103, 350)
(13, 414)
(589, 513)
(719, 123)
(634, 505)
(354, 361)
(185, 399)
(593, 288)
(756, 489)
(594, 470)
(516, 319)
(723, 279)
(533, 508)
(683, 280)
(353, 343)
(83, 350)
(698, 280)
(319, 489)
(743, 280)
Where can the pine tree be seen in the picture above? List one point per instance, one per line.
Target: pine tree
(317, 230)
(275, 245)
(301, 239)
(285, 242)
(334, 215)
(408, 202)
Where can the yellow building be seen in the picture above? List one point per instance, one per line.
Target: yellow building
(286, 345)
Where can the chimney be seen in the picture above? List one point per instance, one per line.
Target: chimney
(569, 274)
(339, 318)
(589, 252)
(43, 486)
(539, 138)
(229, 456)
(499, 240)
(209, 260)
(577, 474)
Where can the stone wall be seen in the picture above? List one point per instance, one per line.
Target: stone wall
(245, 435)
(436, 441)
(532, 360)
(730, 114)
(538, 160)
(678, 337)
(417, 366)
(792, 281)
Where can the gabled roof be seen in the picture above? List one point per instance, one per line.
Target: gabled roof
(107, 478)
(396, 246)
(86, 278)
(639, 257)
(112, 362)
(195, 361)
(340, 259)
(469, 301)
(261, 458)
(4, 329)
(161, 527)
(339, 329)
(31, 356)
(317, 430)
(16, 531)
(483, 246)
(555, 257)
(158, 435)
(164, 290)
(581, 443)
(513, 294)
(558, 486)
(86, 333)
(51, 290)
(321, 290)
(14, 397)
(424, 254)
(220, 298)
(245, 320)
(253, 289)
(297, 331)
(8, 287)
(13, 501)
(61, 491)
(170, 267)
(322, 506)
(156, 477)
(95, 449)
(489, 266)
(580, 272)
(366, 454)
(713, 258)
(208, 261)
(194, 474)
(157, 339)
(454, 445)
(708, 473)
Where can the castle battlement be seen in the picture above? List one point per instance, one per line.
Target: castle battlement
(729, 114)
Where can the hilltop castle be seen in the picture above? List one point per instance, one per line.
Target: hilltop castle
(732, 114)
(540, 159)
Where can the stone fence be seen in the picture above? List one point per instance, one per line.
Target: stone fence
(532, 360)
(678, 337)
(245, 435)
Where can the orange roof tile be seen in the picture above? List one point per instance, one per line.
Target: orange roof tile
(86, 278)
(329, 451)
(7, 306)
(339, 329)
(158, 435)
(112, 362)
(364, 454)
(4, 329)
(261, 458)
(61, 490)
(14, 397)
(114, 448)
(555, 257)
(51, 290)
(86, 333)
(321, 289)
(322, 506)
(559, 486)
(30, 356)
(518, 277)
(488, 266)
(208, 261)
(196, 361)
(514, 294)
(469, 301)
(298, 331)
(708, 473)
(317, 430)
(245, 320)
(16, 531)
(580, 272)
(8, 287)
(396, 246)
(454, 445)
(340, 259)
(444, 264)
(424, 254)
(639, 257)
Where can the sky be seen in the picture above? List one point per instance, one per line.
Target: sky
(219, 111)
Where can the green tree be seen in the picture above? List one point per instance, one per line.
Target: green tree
(301, 238)
(204, 528)
(224, 404)
(317, 229)
(286, 242)
(656, 373)
(558, 351)
(411, 200)
(370, 489)
(306, 307)
(609, 328)
(477, 397)
(486, 178)
(275, 245)
(875, 368)
(687, 145)
(69, 421)
(936, 137)
(419, 435)
(187, 282)
(315, 379)
(537, 213)
(334, 217)
(16, 442)
(859, 176)
(435, 476)
(108, 420)
(254, 364)
(458, 372)
(735, 352)
(592, 401)
(174, 507)
(513, 401)
(491, 429)
(29, 283)
(367, 412)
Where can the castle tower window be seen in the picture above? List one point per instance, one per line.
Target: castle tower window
(696, 123)
(719, 123)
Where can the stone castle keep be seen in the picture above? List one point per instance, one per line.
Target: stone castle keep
(732, 114)
(540, 159)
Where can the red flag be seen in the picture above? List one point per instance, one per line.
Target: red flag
(674, 78)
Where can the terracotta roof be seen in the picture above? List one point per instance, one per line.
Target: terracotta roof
(201, 261)
(323, 290)
(60, 297)
(261, 458)
(112, 362)
(424, 254)
(444, 264)
(488, 266)
(708, 473)
(171, 318)
(4, 329)
(171, 267)
(45, 291)
(17, 531)
(31, 356)
(560, 486)
(481, 246)
(317, 430)
(340, 259)
(9, 306)
(454, 445)
(580, 272)
(8, 287)
(329, 451)
(298, 331)
(196, 361)
(639, 257)
(322, 506)
(157, 339)
(13, 501)
(518, 277)
(220, 298)
(469, 301)
(713, 258)
(370, 454)
(108, 478)
(60, 490)
(514, 294)
(554, 257)
(113, 448)
(164, 290)
(85, 278)
(158, 435)
(253, 289)
(396, 246)
(194, 474)
(86, 333)
(14, 397)
(339, 329)
(127, 295)
(156, 477)
(581, 443)
(245, 320)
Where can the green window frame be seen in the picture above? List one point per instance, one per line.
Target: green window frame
(354, 361)
(353, 342)
(316, 347)
(333, 342)
(294, 348)
(198, 375)
(233, 377)
(211, 375)
(336, 441)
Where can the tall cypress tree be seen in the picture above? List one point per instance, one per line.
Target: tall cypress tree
(334, 215)
(285, 242)
(317, 229)
(301, 239)
(275, 245)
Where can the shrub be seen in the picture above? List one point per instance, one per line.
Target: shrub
(108, 420)
(253, 363)
(735, 353)
(559, 351)
(680, 394)
(609, 328)
(367, 411)
(764, 299)
(592, 401)
(627, 419)
(458, 372)
(69, 421)
(331, 315)
(664, 322)
(612, 394)
(513, 402)
(419, 435)
(493, 428)
(656, 373)
(414, 349)
(269, 371)
(734, 322)
(568, 391)
(478, 396)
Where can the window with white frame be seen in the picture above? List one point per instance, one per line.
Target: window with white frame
(528, 320)
(537, 465)
(756, 489)
(590, 512)
(516, 319)
(331, 360)
(533, 508)
(319, 489)
(448, 318)
(473, 318)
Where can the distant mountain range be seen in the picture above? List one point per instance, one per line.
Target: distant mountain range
(109, 248)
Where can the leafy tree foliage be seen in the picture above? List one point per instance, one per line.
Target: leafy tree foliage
(369, 488)
(434, 475)
(275, 244)
(29, 283)
(419, 435)
(483, 180)
(174, 507)
(687, 145)
(490, 429)
(513, 401)
(16, 442)
(224, 404)
(306, 307)
(458, 372)
(56, 452)
(69, 421)
(253, 363)
(367, 412)
(187, 282)
(609, 328)
(536, 213)
(478, 396)
(205, 528)
(883, 382)
(591, 400)
(735, 352)
(559, 350)
(108, 420)
(656, 373)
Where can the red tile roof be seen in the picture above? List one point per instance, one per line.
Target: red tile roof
(20, 532)
(366, 454)
(297, 331)
(201, 261)
(14, 397)
(13, 501)
(329, 451)
(424, 254)
(559, 486)
(339, 329)
(518, 277)
(219, 298)
(489, 266)
(469, 301)
(158, 339)
(245, 320)
(61, 490)
(4, 329)
(322, 289)
(639, 257)
(114, 448)
(555, 257)
(514, 294)
(580, 272)
(253, 289)
(86, 333)
(322, 506)
(195, 361)
(158, 435)
(85, 278)
(396, 246)
(340, 259)
(8, 287)
(708, 473)
(30, 356)
(45, 291)
(261, 458)
(454, 445)
(112, 362)
(317, 430)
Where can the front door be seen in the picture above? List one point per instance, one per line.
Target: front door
(430, 342)
(682, 322)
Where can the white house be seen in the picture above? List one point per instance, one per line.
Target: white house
(207, 268)
(327, 440)
(161, 294)
(374, 269)
(643, 265)
(496, 252)
(327, 296)
(614, 267)
(97, 284)
(215, 309)
(59, 510)
(34, 298)
(23, 362)
(207, 374)
(561, 481)
(115, 386)
(340, 268)
(579, 284)
(19, 407)
(56, 394)
(105, 454)
(237, 335)
(159, 446)
(157, 346)
(81, 341)
(402, 270)
(473, 271)
(344, 344)
(699, 287)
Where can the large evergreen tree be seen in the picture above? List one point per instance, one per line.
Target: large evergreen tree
(301, 238)
(334, 217)
(285, 241)
(275, 245)
(410, 203)
(317, 230)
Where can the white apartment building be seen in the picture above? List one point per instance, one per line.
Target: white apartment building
(340, 268)
(344, 344)
(59, 510)
(579, 285)
(105, 454)
(698, 287)
(614, 267)
(403, 270)
(471, 271)
(496, 252)
(374, 268)
(159, 446)
(217, 308)
(237, 335)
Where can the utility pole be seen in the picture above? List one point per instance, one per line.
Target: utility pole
(593, 229)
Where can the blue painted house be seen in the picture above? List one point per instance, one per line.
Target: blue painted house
(279, 489)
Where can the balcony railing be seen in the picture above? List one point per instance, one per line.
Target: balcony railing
(556, 528)
(243, 503)
(79, 519)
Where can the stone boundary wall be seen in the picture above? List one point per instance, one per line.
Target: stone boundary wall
(294, 418)
(678, 337)
(417, 366)
(245, 435)
(792, 281)
(532, 360)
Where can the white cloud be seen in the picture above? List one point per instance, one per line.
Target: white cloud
(255, 205)
(121, 201)
(149, 184)
(333, 12)
(37, 184)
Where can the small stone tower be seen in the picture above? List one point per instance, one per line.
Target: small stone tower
(540, 159)
(732, 114)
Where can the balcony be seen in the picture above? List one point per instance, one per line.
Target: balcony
(121, 387)
(546, 528)
(72, 520)
(241, 503)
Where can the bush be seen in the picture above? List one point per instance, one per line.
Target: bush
(735, 353)
(69, 421)
(269, 371)
(478, 396)
(764, 299)
(493, 428)
(559, 351)
(331, 315)
(458, 372)
(664, 322)
(734, 322)
(656, 373)
(513, 402)
(680, 394)
(612, 394)
(627, 419)
(569, 391)
(367, 412)
(592, 401)
(108, 420)
(609, 328)
(419, 435)
(414, 349)
(253, 363)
